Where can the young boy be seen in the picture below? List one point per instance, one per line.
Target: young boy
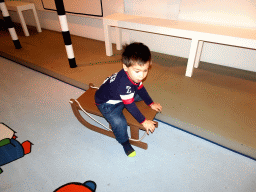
(122, 89)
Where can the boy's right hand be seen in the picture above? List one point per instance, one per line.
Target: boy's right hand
(149, 126)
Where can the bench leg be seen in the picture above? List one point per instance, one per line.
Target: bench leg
(118, 38)
(108, 43)
(22, 21)
(192, 56)
(198, 54)
(37, 20)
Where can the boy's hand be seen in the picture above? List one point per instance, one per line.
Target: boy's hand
(149, 126)
(156, 106)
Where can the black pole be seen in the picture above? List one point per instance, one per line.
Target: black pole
(65, 32)
(10, 25)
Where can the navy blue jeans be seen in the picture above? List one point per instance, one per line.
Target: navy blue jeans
(114, 115)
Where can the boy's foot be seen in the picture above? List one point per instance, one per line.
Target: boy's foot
(130, 152)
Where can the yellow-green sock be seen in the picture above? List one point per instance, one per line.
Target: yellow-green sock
(132, 154)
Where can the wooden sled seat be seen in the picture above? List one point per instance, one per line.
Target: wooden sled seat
(87, 102)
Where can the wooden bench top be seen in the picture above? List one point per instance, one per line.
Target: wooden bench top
(12, 5)
(123, 20)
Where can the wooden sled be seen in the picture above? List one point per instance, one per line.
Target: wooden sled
(87, 102)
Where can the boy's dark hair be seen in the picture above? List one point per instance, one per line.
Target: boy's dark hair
(136, 53)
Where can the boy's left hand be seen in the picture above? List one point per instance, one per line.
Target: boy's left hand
(156, 106)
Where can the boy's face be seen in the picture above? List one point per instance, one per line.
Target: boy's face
(136, 72)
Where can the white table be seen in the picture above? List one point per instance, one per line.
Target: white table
(197, 32)
(20, 6)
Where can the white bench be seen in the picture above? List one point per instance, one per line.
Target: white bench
(197, 32)
(20, 6)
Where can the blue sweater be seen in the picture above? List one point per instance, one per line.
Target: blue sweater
(120, 88)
